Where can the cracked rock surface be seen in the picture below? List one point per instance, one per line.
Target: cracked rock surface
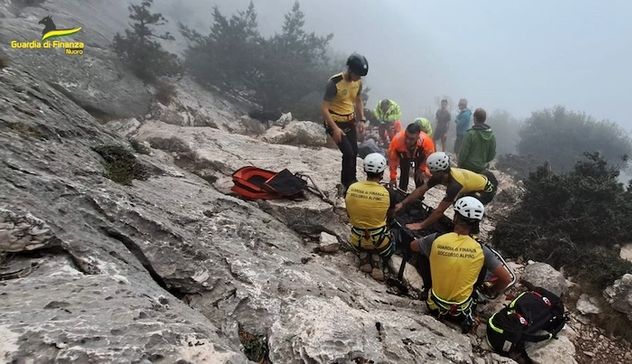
(169, 268)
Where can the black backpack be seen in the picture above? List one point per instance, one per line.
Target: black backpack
(524, 320)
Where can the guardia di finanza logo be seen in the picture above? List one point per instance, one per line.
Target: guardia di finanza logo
(49, 40)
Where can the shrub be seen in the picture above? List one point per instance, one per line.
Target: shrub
(561, 137)
(121, 165)
(281, 73)
(572, 220)
(139, 50)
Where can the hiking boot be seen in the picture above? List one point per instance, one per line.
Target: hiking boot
(365, 263)
(378, 268)
(340, 191)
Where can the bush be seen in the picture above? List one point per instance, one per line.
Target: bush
(561, 137)
(280, 73)
(121, 165)
(139, 50)
(573, 221)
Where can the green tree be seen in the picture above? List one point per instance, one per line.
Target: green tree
(285, 72)
(561, 137)
(229, 56)
(296, 63)
(572, 220)
(140, 50)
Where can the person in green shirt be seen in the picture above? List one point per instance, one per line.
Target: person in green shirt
(479, 145)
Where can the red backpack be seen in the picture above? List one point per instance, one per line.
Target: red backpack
(253, 183)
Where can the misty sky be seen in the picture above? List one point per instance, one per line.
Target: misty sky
(513, 55)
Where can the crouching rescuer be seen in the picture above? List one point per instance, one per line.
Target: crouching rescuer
(454, 265)
(368, 205)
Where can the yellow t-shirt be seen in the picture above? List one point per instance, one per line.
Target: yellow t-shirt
(367, 204)
(342, 95)
(455, 264)
(462, 182)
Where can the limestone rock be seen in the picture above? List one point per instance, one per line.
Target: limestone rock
(327, 331)
(545, 276)
(216, 155)
(124, 127)
(626, 252)
(587, 305)
(559, 351)
(284, 120)
(305, 133)
(24, 232)
(411, 276)
(328, 243)
(619, 295)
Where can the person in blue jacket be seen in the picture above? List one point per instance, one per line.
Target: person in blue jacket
(463, 121)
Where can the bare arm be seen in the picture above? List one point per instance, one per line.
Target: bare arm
(504, 278)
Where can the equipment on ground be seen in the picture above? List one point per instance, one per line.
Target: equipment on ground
(254, 183)
(534, 316)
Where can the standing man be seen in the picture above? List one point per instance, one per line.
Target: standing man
(411, 146)
(342, 109)
(443, 124)
(463, 121)
(388, 115)
(479, 145)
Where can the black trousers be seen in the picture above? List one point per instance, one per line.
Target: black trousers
(404, 169)
(349, 147)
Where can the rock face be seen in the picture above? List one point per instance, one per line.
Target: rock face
(168, 268)
(24, 233)
(192, 105)
(325, 338)
(89, 292)
(94, 80)
(215, 155)
(619, 295)
(545, 276)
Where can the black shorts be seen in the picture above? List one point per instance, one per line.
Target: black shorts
(440, 131)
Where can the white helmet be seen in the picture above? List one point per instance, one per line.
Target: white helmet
(438, 161)
(374, 163)
(470, 208)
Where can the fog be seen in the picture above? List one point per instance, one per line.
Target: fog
(518, 56)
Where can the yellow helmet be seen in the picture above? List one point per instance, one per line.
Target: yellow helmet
(426, 127)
